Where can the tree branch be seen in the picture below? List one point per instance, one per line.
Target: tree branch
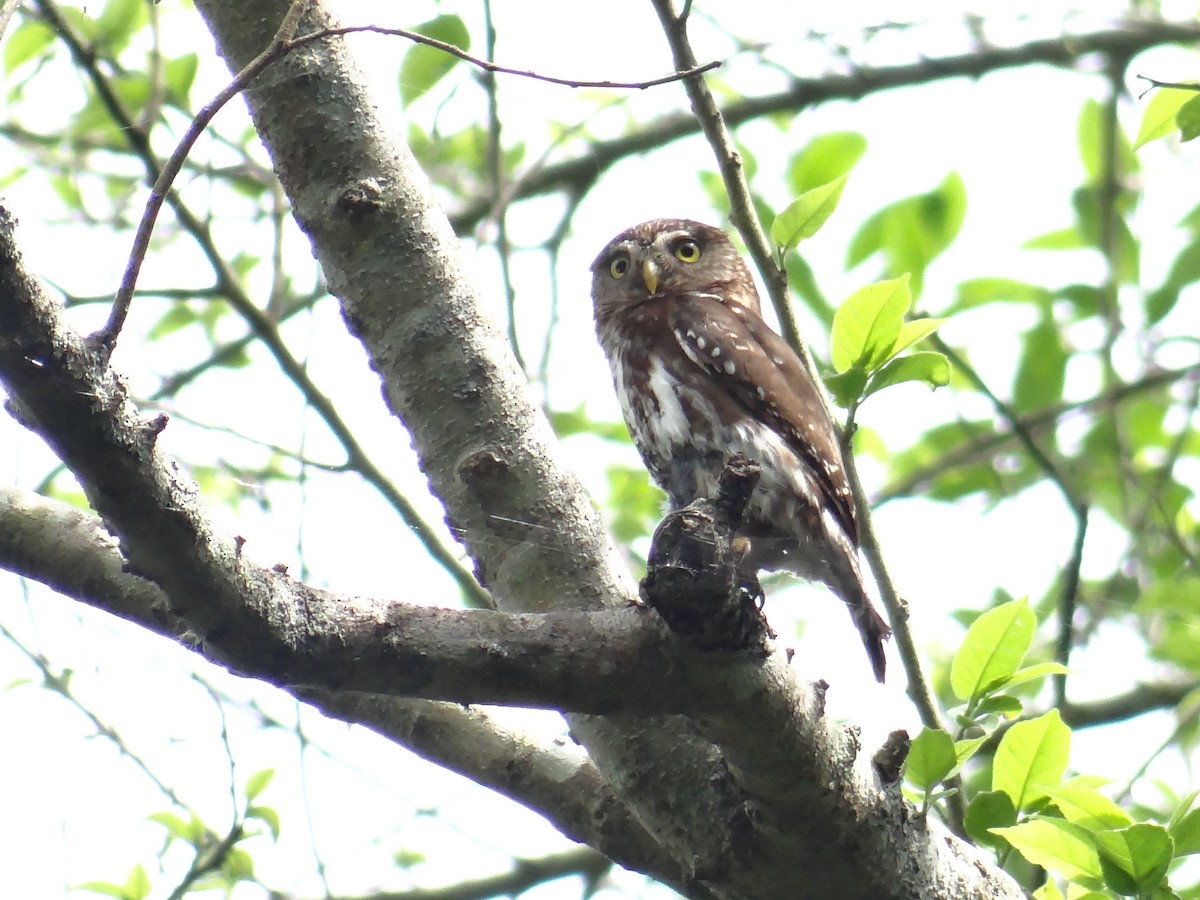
(525, 874)
(1066, 51)
(71, 552)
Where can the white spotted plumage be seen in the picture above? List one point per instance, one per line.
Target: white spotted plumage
(701, 377)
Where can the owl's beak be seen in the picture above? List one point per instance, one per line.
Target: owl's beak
(650, 275)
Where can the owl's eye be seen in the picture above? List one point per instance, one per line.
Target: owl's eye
(619, 266)
(687, 250)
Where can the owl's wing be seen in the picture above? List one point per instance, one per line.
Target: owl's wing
(757, 368)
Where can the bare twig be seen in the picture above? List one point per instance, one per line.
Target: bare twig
(106, 337)
(488, 66)
(975, 450)
(499, 178)
(1070, 590)
(282, 44)
(1067, 602)
(803, 93)
(1178, 85)
(525, 874)
(729, 162)
(264, 328)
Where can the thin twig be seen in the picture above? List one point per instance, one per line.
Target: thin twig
(60, 684)
(489, 66)
(1051, 417)
(729, 162)
(1067, 602)
(805, 93)
(106, 337)
(499, 178)
(1109, 220)
(1178, 85)
(282, 44)
(261, 325)
(1020, 431)
(1069, 596)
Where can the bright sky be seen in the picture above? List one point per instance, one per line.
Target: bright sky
(77, 811)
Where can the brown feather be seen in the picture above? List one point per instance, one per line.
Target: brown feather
(701, 376)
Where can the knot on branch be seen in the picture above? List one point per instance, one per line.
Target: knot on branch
(889, 759)
(696, 576)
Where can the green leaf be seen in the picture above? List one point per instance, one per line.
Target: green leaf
(1032, 755)
(915, 331)
(567, 422)
(1186, 833)
(179, 74)
(867, 324)
(266, 815)
(258, 782)
(176, 826)
(1067, 238)
(826, 158)
(1043, 367)
(1088, 807)
(27, 40)
(981, 291)
(912, 232)
(847, 387)
(989, 810)
(636, 502)
(992, 650)
(425, 66)
(966, 748)
(1059, 846)
(178, 316)
(1033, 673)
(1188, 119)
(118, 22)
(1141, 853)
(239, 865)
(927, 366)
(804, 216)
(1050, 891)
(930, 759)
(1158, 118)
(137, 885)
(1097, 141)
(1185, 270)
(1001, 705)
(107, 888)
(804, 282)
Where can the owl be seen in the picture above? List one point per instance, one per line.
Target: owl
(700, 377)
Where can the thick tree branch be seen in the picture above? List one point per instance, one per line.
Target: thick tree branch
(71, 552)
(595, 662)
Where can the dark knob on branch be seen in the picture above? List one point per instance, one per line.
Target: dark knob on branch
(695, 576)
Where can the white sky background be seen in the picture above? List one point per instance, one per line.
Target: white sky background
(72, 810)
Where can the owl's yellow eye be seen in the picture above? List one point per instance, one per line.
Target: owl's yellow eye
(619, 266)
(687, 250)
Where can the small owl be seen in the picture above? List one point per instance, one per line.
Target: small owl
(701, 376)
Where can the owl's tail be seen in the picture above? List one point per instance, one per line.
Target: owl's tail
(873, 631)
(870, 624)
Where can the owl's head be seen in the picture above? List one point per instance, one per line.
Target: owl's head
(665, 258)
